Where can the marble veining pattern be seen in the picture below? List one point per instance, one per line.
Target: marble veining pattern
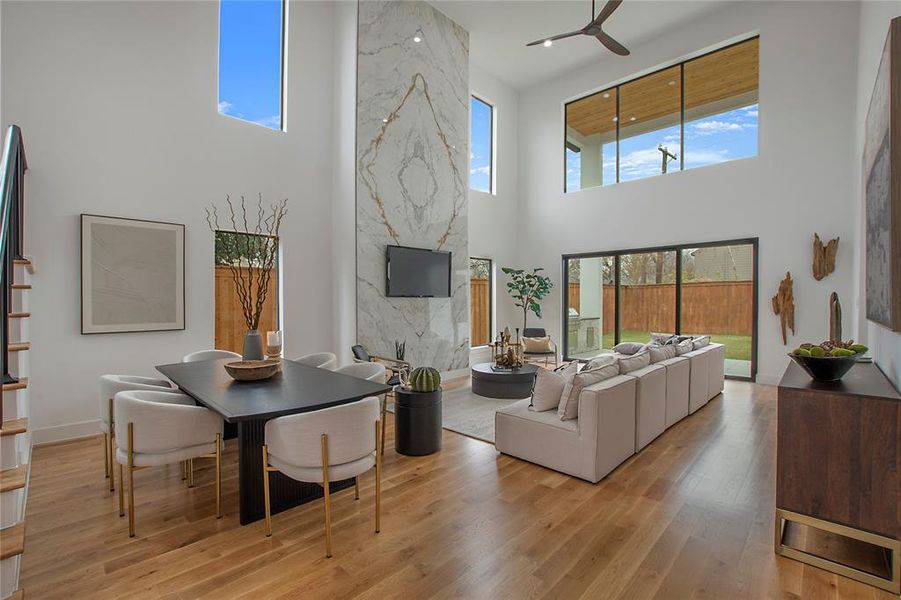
(412, 175)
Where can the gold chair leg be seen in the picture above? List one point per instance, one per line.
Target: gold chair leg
(328, 505)
(384, 413)
(218, 475)
(110, 450)
(356, 488)
(106, 465)
(190, 472)
(121, 491)
(131, 480)
(266, 491)
(378, 478)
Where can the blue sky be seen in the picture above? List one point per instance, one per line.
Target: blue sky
(719, 138)
(250, 55)
(480, 146)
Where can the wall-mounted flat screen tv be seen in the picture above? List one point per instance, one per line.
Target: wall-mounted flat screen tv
(418, 273)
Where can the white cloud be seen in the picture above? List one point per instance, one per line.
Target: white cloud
(480, 170)
(697, 158)
(225, 107)
(273, 122)
(714, 127)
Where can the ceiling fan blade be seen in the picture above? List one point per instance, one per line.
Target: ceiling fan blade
(612, 44)
(556, 37)
(605, 13)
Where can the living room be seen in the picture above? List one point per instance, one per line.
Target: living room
(674, 189)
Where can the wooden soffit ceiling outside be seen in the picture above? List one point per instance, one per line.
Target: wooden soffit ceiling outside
(720, 75)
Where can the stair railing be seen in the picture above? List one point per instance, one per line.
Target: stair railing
(12, 221)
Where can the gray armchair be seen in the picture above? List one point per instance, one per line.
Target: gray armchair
(537, 332)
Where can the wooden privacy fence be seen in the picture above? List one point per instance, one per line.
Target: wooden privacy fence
(724, 307)
(230, 325)
(479, 312)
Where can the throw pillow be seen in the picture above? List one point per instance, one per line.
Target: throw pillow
(699, 342)
(549, 387)
(628, 348)
(637, 361)
(568, 408)
(539, 344)
(601, 360)
(659, 353)
(684, 347)
(661, 338)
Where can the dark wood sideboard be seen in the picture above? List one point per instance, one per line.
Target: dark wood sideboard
(838, 474)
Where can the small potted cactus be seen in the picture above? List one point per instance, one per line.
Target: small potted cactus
(417, 413)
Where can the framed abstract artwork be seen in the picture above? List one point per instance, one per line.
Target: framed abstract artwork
(132, 275)
(882, 187)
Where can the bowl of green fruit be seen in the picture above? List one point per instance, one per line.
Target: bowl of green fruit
(828, 361)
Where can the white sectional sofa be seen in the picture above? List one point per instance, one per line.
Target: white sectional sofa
(617, 417)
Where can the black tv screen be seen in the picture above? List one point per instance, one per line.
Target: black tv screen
(418, 273)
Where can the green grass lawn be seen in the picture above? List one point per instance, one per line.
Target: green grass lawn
(738, 347)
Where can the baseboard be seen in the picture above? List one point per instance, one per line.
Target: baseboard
(63, 433)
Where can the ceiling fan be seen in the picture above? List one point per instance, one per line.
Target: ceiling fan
(593, 29)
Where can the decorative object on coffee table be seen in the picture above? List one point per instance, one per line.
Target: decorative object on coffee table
(784, 306)
(253, 370)
(823, 257)
(527, 290)
(417, 413)
(508, 383)
(250, 254)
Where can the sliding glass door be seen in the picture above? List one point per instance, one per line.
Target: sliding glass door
(697, 289)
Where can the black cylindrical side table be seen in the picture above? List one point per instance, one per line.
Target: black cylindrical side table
(417, 422)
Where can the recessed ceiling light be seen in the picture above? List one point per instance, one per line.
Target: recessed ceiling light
(548, 43)
(672, 83)
(631, 118)
(417, 39)
(606, 95)
(616, 118)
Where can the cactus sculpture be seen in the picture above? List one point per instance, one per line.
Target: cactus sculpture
(835, 318)
(425, 379)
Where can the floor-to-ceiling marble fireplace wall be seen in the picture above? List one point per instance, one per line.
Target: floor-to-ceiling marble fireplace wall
(412, 175)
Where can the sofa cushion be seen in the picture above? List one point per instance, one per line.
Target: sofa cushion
(569, 402)
(661, 338)
(601, 360)
(659, 353)
(637, 361)
(699, 342)
(628, 348)
(539, 344)
(520, 410)
(549, 386)
(684, 347)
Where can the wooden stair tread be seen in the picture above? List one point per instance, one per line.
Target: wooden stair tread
(18, 315)
(12, 541)
(13, 479)
(19, 346)
(19, 385)
(14, 427)
(21, 286)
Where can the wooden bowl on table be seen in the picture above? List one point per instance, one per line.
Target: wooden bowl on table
(253, 370)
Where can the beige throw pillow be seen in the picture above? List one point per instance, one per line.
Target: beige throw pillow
(539, 344)
(600, 360)
(569, 401)
(684, 347)
(549, 387)
(637, 361)
(659, 353)
(629, 348)
(699, 342)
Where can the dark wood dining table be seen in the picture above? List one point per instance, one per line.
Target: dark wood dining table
(296, 389)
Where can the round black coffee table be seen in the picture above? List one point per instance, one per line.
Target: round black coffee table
(513, 384)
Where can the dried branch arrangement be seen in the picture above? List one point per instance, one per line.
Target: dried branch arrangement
(250, 252)
(823, 257)
(784, 306)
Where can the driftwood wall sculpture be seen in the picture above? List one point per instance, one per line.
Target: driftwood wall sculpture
(784, 306)
(823, 257)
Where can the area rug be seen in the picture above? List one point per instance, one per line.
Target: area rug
(469, 414)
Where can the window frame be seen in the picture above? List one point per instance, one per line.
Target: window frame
(490, 301)
(678, 248)
(492, 184)
(283, 70)
(616, 86)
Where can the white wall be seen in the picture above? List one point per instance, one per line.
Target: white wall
(885, 345)
(800, 183)
(494, 219)
(117, 103)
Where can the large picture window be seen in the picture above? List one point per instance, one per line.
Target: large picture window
(251, 40)
(627, 295)
(700, 112)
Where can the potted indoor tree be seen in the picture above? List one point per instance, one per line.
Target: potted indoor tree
(527, 290)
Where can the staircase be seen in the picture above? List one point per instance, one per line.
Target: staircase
(15, 437)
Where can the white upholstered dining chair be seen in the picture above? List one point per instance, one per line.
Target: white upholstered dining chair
(322, 446)
(371, 371)
(160, 428)
(210, 355)
(320, 360)
(110, 385)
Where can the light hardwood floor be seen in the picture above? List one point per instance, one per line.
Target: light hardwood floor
(691, 516)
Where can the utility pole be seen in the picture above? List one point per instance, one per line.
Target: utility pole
(665, 157)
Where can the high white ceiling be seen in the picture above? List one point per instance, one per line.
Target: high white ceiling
(500, 29)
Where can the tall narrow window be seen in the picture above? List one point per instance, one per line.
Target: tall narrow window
(481, 160)
(480, 288)
(251, 42)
